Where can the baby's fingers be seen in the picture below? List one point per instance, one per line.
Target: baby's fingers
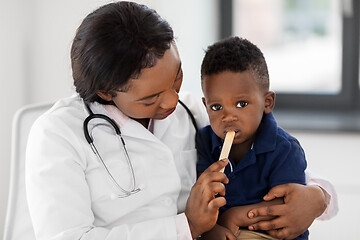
(273, 210)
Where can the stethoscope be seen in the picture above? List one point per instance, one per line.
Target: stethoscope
(122, 192)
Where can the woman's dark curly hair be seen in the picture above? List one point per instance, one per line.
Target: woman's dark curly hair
(113, 44)
(237, 55)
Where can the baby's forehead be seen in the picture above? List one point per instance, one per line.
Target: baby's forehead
(246, 80)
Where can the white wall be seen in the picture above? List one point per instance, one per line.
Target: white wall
(35, 40)
(336, 156)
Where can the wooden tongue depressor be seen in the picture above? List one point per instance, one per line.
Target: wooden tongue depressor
(227, 146)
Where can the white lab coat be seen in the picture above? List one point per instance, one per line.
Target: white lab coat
(70, 195)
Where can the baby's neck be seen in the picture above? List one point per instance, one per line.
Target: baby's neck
(238, 151)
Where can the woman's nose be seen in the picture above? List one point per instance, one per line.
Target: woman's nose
(170, 99)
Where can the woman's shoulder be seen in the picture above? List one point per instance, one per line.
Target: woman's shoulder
(60, 130)
(65, 112)
(72, 104)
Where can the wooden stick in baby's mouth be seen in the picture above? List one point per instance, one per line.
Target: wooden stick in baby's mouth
(227, 146)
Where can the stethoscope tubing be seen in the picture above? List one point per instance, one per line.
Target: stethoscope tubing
(90, 140)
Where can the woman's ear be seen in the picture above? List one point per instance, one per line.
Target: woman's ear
(269, 102)
(104, 95)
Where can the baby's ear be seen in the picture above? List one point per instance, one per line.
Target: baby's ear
(104, 95)
(269, 102)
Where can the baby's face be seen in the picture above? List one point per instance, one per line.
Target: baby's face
(234, 101)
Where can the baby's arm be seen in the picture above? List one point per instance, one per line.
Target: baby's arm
(237, 217)
(229, 222)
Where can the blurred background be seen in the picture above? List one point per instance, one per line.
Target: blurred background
(312, 51)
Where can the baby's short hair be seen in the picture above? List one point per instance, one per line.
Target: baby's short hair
(237, 55)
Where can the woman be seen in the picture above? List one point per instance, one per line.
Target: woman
(126, 67)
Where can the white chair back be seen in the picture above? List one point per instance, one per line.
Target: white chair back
(18, 223)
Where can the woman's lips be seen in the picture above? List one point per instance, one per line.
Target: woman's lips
(167, 113)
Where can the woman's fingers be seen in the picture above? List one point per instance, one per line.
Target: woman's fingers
(275, 223)
(212, 189)
(202, 207)
(282, 233)
(277, 192)
(217, 166)
(216, 203)
(213, 174)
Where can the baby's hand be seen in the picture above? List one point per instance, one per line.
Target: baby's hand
(233, 218)
(218, 233)
(236, 217)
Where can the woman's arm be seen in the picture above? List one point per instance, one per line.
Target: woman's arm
(302, 204)
(329, 192)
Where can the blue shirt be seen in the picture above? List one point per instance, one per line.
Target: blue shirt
(275, 158)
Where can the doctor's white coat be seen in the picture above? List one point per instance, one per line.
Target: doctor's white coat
(71, 196)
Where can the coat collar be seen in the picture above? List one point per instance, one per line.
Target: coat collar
(130, 127)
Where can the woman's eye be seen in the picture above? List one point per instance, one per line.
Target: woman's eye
(151, 101)
(216, 107)
(180, 76)
(149, 104)
(241, 104)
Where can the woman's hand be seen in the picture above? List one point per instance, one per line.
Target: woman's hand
(302, 204)
(202, 207)
(218, 233)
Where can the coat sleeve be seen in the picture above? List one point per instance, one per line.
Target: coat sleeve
(332, 206)
(58, 196)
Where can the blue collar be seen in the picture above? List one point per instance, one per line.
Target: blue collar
(266, 139)
(216, 143)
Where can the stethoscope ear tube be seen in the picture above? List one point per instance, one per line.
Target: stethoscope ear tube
(92, 116)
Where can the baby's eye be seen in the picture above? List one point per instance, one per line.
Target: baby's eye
(216, 107)
(241, 104)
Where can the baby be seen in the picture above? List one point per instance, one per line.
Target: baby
(235, 83)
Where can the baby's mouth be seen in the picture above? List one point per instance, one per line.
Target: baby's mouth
(236, 132)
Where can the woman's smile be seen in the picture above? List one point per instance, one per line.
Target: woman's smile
(168, 112)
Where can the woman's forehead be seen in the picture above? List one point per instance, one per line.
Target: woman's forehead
(159, 77)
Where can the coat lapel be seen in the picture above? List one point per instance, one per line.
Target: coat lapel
(161, 126)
